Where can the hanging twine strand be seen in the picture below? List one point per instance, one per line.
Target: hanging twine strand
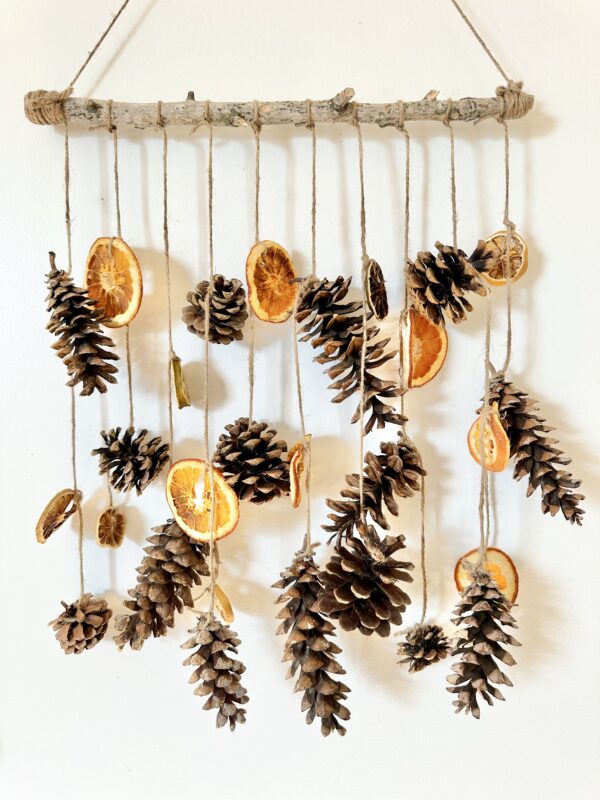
(448, 124)
(506, 262)
(403, 313)
(256, 127)
(481, 41)
(423, 563)
(484, 514)
(310, 123)
(96, 47)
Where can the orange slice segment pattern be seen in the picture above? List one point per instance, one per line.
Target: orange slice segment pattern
(500, 566)
(113, 280)
(62, 506)
(425, 347)
(110, 529)
(516, 262)
(271, 281)
(496, 444)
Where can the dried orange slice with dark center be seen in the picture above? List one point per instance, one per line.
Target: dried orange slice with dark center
(497, 563)
(110, 529)
(271, 281)
(496, 445)
(499, 259)
(297, 459)
(62, 506)
(425, 346)
(190, 500)
(113, 280)
(375, 291)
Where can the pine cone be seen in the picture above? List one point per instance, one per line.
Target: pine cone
(82, 624)
(228, 311)
(423, 645)
(173, 565)
(360, 584)
(81, 343)
(218, 673)
(252, 462)
(438, 284)
(536, 454)
(482, 610)
(132, 461)
(308, 646)
(336, 329)
(395, 472)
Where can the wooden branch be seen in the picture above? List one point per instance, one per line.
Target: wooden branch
(51, 107)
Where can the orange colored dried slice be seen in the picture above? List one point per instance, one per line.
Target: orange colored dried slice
(189, 497)
(271, 281)
(296, 459)
(113, 280)
(62, 506)
(496, 445)
(499, 259)
(425, 346)
(497, 563)
(223, 605)
(110, 528)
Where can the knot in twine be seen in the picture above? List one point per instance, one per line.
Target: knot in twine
(515, 102)
(44, 107)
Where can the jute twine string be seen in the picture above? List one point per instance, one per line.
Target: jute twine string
(481, 41)
(256, 127)
(484, 514)
(448, 124)
(506, 265)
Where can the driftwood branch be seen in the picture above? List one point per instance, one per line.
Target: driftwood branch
(53, 107)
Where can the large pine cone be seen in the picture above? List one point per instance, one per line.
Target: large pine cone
(308, 647)
(251, 461)
(82, 624)
(536, 455)
(228, 311)
(423, 645)
(132, 461)
(439, 283)
(173, 564)
(336, 329)
(81, 343)
(219, 674)
(483, 611)
(361, 584)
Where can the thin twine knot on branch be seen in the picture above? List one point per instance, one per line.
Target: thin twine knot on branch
(515, 102)
(44, 107)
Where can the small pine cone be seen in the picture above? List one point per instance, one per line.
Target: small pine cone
(218, 673)
(439, 283)
(75, 320)
(228, 311)
(361, 584)
(132, 461)
(423, 644)
(173, 564)
(308, 647)
(483, 611)
(251, 461)
(82, 624)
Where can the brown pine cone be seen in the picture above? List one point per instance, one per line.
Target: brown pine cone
(132, 461)
(82, 624)
(423, 644)
(228, 311)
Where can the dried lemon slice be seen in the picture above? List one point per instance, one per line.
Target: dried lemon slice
(375, 291)
(497, 563)
(498, 259)
(62, 506)
(110, 528)
(296, 460)
(223, 605)
(113, 280)
(424, 345)
(496, 445)
(271, 281)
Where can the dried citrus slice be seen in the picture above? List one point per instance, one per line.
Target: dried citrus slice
(113, 280)
(223, 605)
(59, 509)
(375, 291)
(497, 563)
(189, 497)
(181, 390)
(110, 528)
(296, 459)
(496, 445)
(498, 257)
(271, 281)
(425, 346)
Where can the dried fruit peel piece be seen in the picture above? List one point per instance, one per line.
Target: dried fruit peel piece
(223, 605)
(496, 444)
(181, 390)
(425, 346)
(497, 245)
(297, 462)
(110, 528)
(271, 280)
(113, 280)
(374, 289)
(62, 506)
(500, 566)
(188, 495)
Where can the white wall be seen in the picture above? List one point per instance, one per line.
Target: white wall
(127, 725)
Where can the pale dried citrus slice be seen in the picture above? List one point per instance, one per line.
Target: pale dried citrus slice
(375, 291)
(425, 346)
(62, 506)
(189, 497)
(497, 563)
(297, 458)
(113, 280)
(498, 259)
(110, 528)
(223, 605)
(496, 445)
(271, 281)
(181, 390)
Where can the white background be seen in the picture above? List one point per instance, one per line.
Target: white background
(127, 725)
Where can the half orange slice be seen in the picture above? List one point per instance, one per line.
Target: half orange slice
(497, 563)
(113, 280)
(496, 444)
(271, 278)
(425, 346)
(190, 500)
(62, 506)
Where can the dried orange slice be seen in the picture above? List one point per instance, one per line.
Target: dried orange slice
(110, 528)
(296, 459)
(62, 506)
(425, 346)
(375, 291)
(497, 257)
(113, 280)
(498, 564)
(223, 605)
(271, 281)
(189, 497)
(496, 445)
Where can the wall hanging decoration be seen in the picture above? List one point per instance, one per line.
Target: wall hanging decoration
(364, 583)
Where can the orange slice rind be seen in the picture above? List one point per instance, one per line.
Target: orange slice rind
(62, 506)
(517, 262)
(424, 348)
(113, 280)
(496, 444)
(271, 279)
(297, 462)
(374, 289)
(497, 563)
(189, 498)
(110, 528)
(223, 605)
